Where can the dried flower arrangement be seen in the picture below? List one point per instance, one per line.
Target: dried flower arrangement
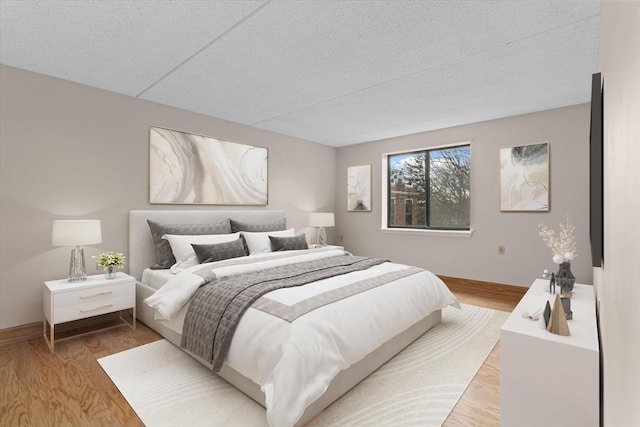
(563, 244)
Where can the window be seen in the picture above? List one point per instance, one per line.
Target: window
(430, 187)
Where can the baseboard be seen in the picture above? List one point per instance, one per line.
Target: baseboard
(20, 333)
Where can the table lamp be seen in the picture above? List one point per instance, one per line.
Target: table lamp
(321, 220)
(75, 233)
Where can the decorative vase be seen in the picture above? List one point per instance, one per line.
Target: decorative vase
(110, 272)
(564, 277)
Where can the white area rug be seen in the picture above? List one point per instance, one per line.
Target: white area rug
(420, 386)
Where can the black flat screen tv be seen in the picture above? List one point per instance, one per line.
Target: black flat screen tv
(596, 202)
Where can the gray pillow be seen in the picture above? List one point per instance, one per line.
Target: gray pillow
(164, 256)
(277, 225)
(220, 251)
(288, 243)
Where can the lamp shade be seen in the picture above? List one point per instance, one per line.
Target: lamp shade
(76, 232)
(321, 219)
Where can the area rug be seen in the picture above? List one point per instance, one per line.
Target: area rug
(420, 386)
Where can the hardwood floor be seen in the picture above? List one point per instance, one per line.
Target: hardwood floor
(480, 403)
(68, 387)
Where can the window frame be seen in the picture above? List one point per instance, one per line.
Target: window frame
(386, 196)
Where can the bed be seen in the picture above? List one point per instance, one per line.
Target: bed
(268, 382)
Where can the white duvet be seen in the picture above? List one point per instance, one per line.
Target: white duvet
(294, 362)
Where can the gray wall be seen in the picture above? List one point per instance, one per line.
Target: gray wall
(476, 257)
(72, 151)
(618, 282)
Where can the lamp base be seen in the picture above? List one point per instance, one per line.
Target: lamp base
(76, 265)
(322, 237)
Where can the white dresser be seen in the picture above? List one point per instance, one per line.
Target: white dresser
(66, 301)
(548, 379)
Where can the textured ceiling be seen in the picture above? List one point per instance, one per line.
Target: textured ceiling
(337, 73)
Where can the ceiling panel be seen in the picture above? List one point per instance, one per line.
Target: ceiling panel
(539, 74)
(293, 55)
(332, 72)
(121, 46)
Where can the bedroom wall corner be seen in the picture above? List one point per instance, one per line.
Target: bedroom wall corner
(73, 151)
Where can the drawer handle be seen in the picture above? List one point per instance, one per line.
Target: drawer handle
(96, 308)
(96, 295)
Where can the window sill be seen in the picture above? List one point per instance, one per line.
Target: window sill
(443, 233)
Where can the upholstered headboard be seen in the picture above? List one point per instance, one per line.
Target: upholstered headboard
(141, 248)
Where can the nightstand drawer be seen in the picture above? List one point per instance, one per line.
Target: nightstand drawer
(91, 308)
(93, 296)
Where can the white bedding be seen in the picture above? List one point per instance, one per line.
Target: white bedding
(156, 278)
(294, 362)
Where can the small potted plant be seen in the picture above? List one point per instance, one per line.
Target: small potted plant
(109, 261)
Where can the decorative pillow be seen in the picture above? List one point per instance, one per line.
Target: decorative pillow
(183, 251)
(164, 256)
(258, 243)
(288, 243)
(220, 251)
(277, 225)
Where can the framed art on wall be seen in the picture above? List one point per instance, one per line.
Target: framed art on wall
(186, 168)
(524, 178)
(359, 188)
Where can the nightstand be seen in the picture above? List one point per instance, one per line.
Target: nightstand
(66, 301)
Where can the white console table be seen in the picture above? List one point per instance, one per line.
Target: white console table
(548, 379)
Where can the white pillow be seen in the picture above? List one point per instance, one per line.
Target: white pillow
(259, 243)
(183, 251)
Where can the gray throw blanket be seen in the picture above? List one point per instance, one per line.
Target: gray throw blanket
(217, 307)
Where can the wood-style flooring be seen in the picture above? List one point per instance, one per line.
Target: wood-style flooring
(480, 403)
(68, 387)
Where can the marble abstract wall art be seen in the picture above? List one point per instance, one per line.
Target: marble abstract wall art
(524, 178)
(359, 188)
(195, 169)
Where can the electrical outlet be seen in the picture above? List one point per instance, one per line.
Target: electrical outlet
(500, 249)
(341, 238)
